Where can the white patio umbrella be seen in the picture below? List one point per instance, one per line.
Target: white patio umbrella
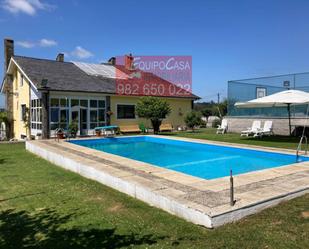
(280, 99)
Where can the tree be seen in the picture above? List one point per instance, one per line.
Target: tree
(26, 120)
(193, 119)
(4, 117)
(154, 109)
(212, 108)
(223, 107)
(7, 119)
(206, 112)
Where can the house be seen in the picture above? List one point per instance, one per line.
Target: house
(43, 95)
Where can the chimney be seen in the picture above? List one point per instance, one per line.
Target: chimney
(128, 61)
(8, 52)
(60, 57)
(112, 61)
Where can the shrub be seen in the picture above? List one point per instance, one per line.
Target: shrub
(193, 119)
(215, 123)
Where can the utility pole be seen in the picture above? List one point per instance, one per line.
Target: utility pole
(218, 97)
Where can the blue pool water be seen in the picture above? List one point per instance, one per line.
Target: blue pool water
(196, 159)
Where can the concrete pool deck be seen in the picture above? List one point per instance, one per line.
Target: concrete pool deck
(203, 202)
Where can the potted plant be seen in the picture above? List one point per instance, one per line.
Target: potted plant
(73, 128)
(60, 133)
(98, 133)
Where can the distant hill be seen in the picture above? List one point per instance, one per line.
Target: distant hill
(211, 108)
(198, 106)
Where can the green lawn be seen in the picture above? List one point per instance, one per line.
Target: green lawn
(210, 134)
(43, 206)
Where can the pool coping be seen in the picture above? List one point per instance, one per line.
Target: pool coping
(201, 201)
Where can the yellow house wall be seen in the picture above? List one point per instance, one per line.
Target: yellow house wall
(180, 107)
(21, 96)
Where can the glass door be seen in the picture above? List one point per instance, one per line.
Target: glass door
(75, 117)
(83, 121)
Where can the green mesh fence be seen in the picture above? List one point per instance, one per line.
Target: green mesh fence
(248, 89)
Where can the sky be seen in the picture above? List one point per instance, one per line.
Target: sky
(227, 39)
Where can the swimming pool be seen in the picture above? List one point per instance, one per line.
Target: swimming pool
(207, 161)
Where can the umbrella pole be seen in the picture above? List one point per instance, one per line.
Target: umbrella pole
(289, 114)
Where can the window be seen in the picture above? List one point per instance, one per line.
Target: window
(63, 103)
(21, 80)
(54, 102)
(23, 112)
(88, 113)
(54, 115)
(97, 113)
(125, 111)
(59, 112)
(36, 114)
(84, 102)
(74, 102)
(16, 80)
(93, 103)
(260, 92)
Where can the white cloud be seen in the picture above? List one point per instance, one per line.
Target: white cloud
(66, 55)
(29, 7)
(81, 53)
(25, 44)
(47, 43)
(41, 43)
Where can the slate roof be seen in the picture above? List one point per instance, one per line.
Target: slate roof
(66, 76)
(63, 76)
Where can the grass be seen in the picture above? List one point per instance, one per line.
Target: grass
(44, 206)
(286, 142)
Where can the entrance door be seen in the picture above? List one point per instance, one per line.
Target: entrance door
(79, 115)
(75, 117)
(83, 121)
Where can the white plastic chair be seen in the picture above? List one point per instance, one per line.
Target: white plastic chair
(267, 129)
(256, 127)
(221, 129)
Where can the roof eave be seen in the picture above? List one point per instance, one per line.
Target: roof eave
(19, 67)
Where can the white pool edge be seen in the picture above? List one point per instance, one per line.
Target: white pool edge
(146, 195)
(123, 186)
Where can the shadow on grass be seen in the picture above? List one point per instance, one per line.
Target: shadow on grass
(276, 139)
(21, 196)
(46, 229)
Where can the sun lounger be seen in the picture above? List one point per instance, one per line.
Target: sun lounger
(223, 127)
(166, 127)
(129, 128)
(256, 127)
(266, 130)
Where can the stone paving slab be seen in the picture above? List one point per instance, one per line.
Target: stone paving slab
(201, 201)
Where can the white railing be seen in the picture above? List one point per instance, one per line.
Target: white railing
(299, 147)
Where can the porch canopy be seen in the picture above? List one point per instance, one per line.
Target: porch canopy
(280, 99)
